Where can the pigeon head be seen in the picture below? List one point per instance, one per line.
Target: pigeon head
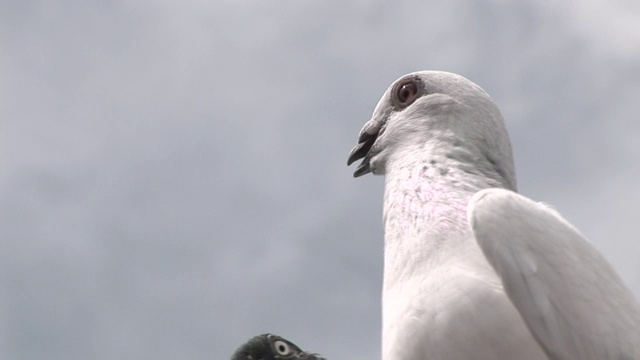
(271, 347)
(440, 114)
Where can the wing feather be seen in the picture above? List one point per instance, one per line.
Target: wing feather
(571, 299)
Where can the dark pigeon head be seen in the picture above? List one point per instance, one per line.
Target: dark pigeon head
(272, 347)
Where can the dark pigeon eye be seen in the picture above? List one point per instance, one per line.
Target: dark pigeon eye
(406, 92)
(282, 347)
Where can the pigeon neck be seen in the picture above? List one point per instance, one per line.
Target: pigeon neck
(425, 207)
(424, 197)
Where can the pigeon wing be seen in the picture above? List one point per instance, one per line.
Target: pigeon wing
(570, 298)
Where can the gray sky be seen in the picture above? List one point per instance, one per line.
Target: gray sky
(173, 174)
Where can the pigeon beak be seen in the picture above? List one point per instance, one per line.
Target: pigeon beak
(368, 135)
(309, 356)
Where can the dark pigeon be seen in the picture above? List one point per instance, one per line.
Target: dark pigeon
(272, 347)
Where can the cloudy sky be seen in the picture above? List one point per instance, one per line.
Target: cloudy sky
(173, 174)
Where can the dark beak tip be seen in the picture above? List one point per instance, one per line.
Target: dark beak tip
(366, 139)
(360, 151)
(362, 169)
(354, 154)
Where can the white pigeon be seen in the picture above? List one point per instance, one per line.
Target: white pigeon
(472, 270)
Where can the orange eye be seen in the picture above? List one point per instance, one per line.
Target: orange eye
(406, 92)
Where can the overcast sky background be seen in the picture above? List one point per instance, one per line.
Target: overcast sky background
(173, 174)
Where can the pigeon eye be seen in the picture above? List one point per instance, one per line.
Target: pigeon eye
(282, 348)
(406, 92)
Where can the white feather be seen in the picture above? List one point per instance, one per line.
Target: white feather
(566, 292)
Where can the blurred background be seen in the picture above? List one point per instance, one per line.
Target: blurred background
(173, 174)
